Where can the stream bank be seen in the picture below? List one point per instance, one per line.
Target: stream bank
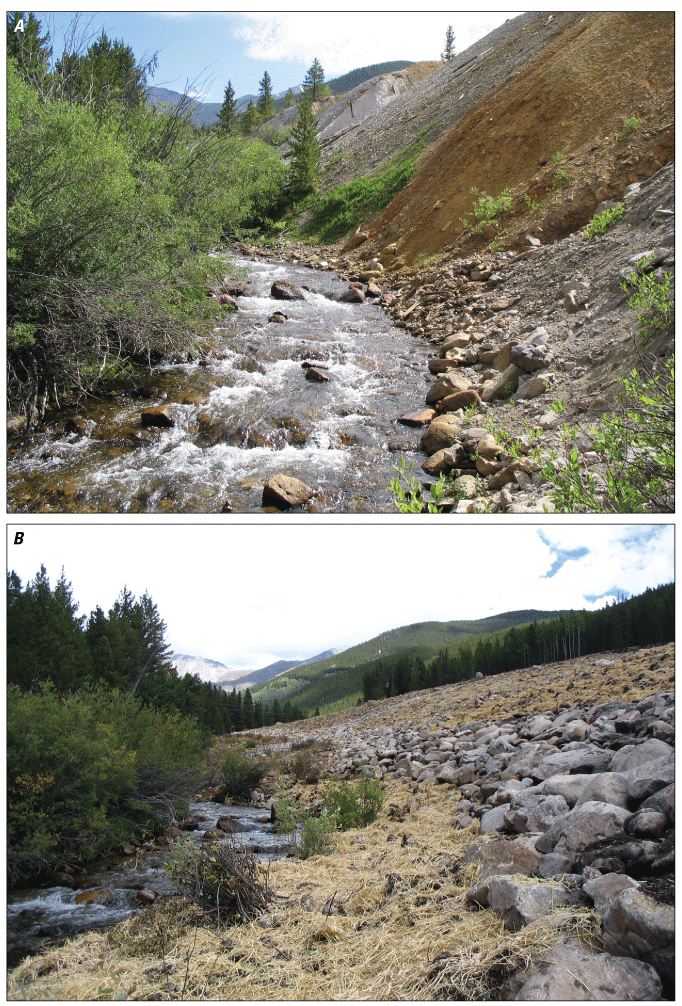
(112, 890)
(246, 411)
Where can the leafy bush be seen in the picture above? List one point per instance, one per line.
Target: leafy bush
(354, 805)
(636, 444)
(242, 775)
(631, 125)
(487, 208)
(409, 497)
(651, 298)
(112, 213)
(223, 880)
(88, 770)
(602, 222)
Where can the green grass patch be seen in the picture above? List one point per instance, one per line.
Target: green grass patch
(339, 211)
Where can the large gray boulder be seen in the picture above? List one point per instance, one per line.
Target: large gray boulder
(584, 825)
(637, 926)
(520, 904)
(566, 973)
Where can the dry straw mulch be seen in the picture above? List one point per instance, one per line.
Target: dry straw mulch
(383, 917)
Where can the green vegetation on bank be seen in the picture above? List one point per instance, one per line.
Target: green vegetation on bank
(333, 214)
(90, 769)
(113, 209)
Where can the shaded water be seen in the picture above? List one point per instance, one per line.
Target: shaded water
(246, 416)
(39, 916)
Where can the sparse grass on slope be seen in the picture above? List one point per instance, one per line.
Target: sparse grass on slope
(337, 212)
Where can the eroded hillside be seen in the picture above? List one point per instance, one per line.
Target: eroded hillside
(575, 97)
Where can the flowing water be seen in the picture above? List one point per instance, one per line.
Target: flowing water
(246, 413)
(39, 916)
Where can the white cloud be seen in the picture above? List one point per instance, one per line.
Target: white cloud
(250, 594)
(343, 41)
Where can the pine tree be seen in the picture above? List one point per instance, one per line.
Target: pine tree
(249, 119)
(289, 99)
(26, 46)
(265, 104)
(449, 51)
(108, 72)
(227, 116)
(313, 81)
(306, 151)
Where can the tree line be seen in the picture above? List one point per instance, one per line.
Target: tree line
(123, 649)
(648, 619)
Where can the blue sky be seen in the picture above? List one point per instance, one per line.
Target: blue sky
(210, 48)
(249, 594)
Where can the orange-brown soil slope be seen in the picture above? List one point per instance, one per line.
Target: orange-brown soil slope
(573, 99)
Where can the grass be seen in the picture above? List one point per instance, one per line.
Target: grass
(335, 213)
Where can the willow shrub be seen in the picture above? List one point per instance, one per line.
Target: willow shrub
(111, 219)
(90, 770)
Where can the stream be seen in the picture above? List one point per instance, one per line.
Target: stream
(245, 413)
(37, 917)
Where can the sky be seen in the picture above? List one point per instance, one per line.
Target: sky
(249, 594)
(207, 49)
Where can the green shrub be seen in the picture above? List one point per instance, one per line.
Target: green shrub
(342, 208)
(354, 805)
(89, 770)
(487, 207)
(651, 298)
(631, 125)
(316, 835)
(602, 222)
(242, 775)
(637, 447)
(408, 494)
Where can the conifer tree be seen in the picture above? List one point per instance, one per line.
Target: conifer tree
(25, 44)
(249, 119)
(449, 51)
(227, 116)
(289, 99)
(265, 105)
(313, 81)
(305, 165)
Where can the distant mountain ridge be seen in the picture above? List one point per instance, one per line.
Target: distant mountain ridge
(206, 113)
(230, 677)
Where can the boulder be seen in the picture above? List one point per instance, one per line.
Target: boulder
(528, 356)
(606, 787)
(283, 491)
(442, 432)
(577, 757)
(637, 926)
(421, 418)
(603, 890)
(458, 400)
(504, 384)
(353, 295)
(448, 384)
(281, 289)
(520, 904)
(316, 374)
(159, 415)
(591, 822)
(568, 973)
(99, 896)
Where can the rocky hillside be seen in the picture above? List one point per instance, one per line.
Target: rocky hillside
(539, 86)
(525, 850)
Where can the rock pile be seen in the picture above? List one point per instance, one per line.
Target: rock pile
(584, 798)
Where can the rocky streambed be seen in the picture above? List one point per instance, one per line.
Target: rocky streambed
(301, 379)
(77, 901)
